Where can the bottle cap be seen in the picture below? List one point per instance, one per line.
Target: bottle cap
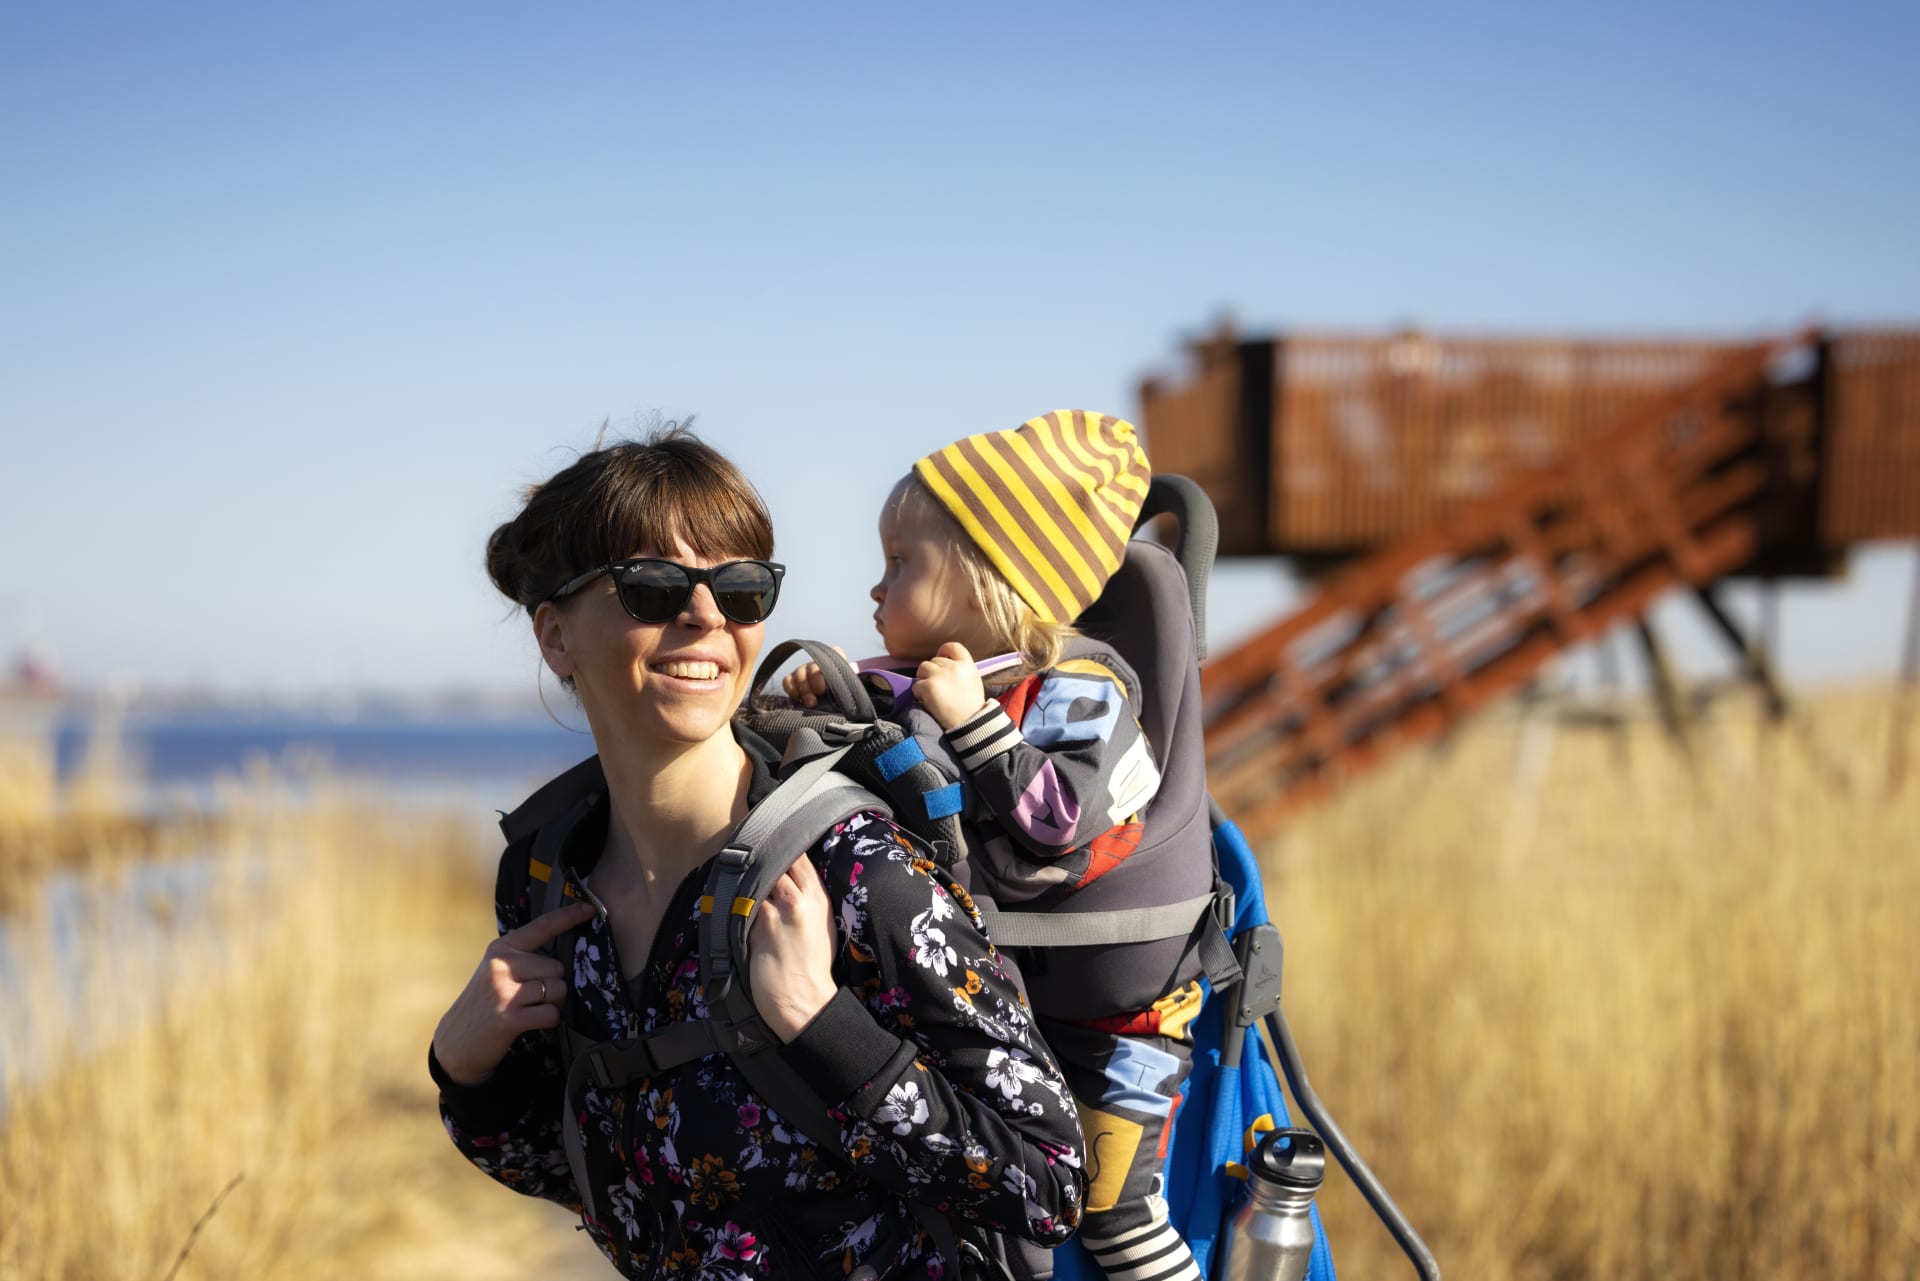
(1293, 1158)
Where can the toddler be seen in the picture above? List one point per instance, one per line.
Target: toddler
(994, 544)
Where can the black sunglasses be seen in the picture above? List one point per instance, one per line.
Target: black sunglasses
(656, 591)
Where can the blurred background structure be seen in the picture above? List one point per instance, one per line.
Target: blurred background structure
(1470, 509)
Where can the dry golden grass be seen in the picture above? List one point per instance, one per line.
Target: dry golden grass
(1586, 1018)
(293, 1055)
(1589, 1018)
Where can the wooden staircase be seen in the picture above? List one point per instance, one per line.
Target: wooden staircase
(1402, 644)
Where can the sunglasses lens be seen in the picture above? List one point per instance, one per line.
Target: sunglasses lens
(745, 591)
(653, 591)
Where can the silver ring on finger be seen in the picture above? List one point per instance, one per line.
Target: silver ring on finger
(543, 992)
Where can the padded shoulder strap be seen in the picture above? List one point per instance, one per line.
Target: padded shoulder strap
(554, 799)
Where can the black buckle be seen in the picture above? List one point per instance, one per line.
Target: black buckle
(1224, 907)
(1259, 951)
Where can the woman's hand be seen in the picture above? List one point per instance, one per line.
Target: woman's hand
(514, 990)
(790, 951)
(949, 686)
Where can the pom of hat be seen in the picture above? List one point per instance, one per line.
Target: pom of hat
(1051, 503)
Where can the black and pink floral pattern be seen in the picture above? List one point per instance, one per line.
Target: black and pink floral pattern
(943, 1092)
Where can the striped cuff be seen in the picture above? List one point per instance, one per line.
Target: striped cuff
(989, 733)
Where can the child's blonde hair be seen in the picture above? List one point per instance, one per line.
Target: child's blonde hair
(1013, 622)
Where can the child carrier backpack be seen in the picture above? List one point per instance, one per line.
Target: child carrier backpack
(842, 759)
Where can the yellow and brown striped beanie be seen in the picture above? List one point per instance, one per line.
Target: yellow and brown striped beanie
(1051, 503)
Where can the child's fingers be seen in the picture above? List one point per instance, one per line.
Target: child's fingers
(957, 652)
(805, 684)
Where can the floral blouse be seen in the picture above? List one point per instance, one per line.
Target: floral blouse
(927, 1056)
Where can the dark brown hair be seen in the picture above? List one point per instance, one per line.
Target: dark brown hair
(671, 488)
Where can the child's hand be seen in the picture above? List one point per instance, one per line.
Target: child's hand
(807, 684)
(948, 686)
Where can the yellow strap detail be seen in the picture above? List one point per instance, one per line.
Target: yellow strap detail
(743, 907)
(1260, 1126)
(541, 872)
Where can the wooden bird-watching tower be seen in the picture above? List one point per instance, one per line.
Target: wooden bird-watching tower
(1469, 508)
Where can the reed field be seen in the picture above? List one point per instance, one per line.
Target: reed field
(1587, 1013)
(285, 1048)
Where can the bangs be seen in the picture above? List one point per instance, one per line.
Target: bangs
(671, 495)
(701, 511)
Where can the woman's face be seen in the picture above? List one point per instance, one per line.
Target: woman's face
(662, 684)
(923, 597)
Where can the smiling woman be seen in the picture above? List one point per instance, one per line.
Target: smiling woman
(644, 568)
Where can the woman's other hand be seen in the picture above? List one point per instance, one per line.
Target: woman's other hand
(790, 952)
(514, 990)
(948, 685)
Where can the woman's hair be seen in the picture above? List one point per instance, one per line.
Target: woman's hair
(667, 490)
(1012, 621)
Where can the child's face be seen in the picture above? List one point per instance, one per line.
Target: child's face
(923, 595)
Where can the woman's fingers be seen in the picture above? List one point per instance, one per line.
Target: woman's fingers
(805, 877)
(541, 991)
(790, 951)
(544, 929)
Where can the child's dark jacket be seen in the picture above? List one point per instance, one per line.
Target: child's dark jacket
(1058, 777)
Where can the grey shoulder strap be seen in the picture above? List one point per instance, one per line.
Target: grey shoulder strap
(776, 832)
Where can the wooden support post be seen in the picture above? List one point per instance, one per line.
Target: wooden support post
(1754, 657)
(1769, 653)
(1608, 660)
(1666, 690)
(1779, 709)
(1908, 694)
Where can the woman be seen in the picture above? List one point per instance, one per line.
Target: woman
(644, 569)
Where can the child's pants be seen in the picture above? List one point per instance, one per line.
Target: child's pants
(1126, 1075)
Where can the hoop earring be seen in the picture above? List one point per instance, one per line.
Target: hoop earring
(540, 687)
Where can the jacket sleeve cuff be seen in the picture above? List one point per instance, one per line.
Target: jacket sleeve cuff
(988, 733)
(490, 1107)
(842, 1049)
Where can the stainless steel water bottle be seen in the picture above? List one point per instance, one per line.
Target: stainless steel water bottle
(1271, 1237)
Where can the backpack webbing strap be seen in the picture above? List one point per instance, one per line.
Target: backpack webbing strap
(611, 1065)
(1197, 916)
(779, 831)
(549, 892)
(1086, 929)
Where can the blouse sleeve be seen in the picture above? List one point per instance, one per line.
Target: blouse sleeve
(928, 1056)
(500, 1124)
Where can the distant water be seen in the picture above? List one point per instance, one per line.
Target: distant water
(473, 765)
(497, 760)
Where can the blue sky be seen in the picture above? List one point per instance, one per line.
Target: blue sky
(295, 300)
